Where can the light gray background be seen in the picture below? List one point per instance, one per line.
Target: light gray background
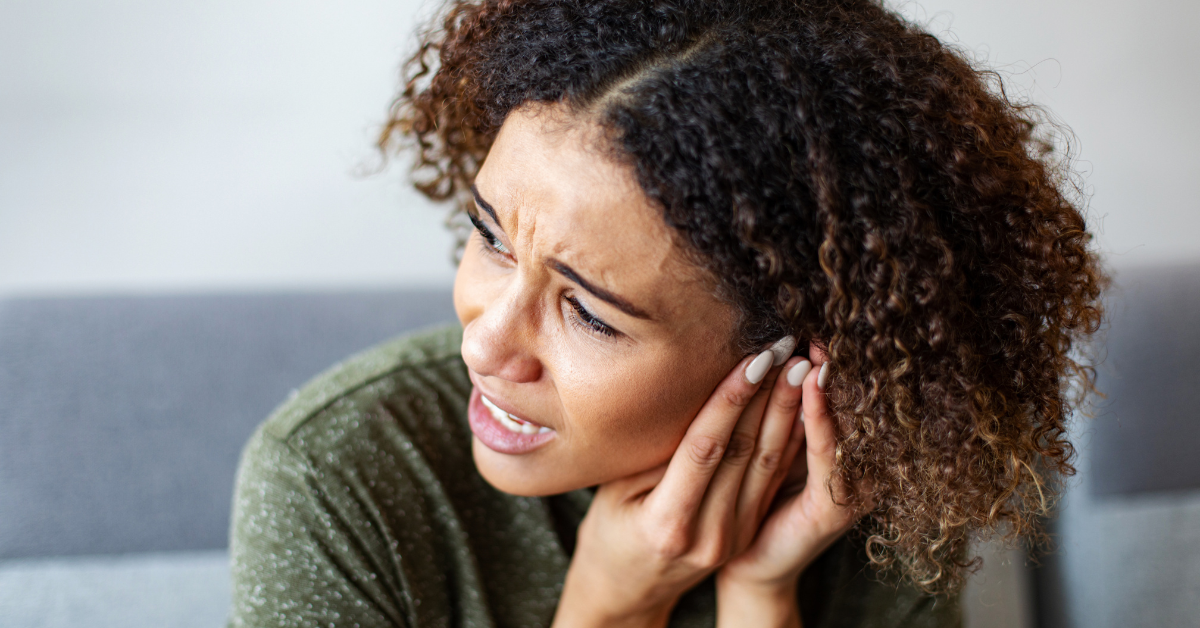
(204, 145)
(188, 146)
(151, 146)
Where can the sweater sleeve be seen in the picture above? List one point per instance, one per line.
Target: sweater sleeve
(301, 556)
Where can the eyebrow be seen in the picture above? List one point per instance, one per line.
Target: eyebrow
(597, 291)
(570, 274)
(487, 207)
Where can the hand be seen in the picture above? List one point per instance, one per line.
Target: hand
(803, 522)
(650, 537)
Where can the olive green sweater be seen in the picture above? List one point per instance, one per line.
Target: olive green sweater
(358, 504)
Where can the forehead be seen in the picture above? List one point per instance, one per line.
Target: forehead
(558, 195)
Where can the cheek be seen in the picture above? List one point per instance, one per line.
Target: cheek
(628, 418)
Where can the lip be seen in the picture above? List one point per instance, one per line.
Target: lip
(497, 400)
(496, 437)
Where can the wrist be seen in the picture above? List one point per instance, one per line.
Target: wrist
(588, 614)
(772, 604)
(587, 603)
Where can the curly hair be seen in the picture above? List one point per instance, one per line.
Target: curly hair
(845, 177)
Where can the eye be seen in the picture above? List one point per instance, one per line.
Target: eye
(490, 241)
(587, 321)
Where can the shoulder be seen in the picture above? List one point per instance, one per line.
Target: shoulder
(412, 363)
(385, 426)
(392, 417)
(339, 491)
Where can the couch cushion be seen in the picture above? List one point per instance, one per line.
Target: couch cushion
(1128, 532)
(179, 589)
(122, 418)
(1128, 560)
(1143, 437)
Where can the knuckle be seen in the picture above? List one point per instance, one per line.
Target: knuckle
(767, 460)
(737, 396)
(712, 554)
(671, 541)
(706, 451)
(741, 445)
(788, 403)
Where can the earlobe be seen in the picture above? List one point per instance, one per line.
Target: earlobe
(816, 354)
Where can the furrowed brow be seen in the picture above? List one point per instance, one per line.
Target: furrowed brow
(597, 291)
(570, 273)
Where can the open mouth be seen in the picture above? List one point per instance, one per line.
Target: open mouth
(512, 423)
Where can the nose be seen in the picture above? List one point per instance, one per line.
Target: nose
(500, 340)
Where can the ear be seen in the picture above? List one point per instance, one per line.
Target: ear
(816, 355)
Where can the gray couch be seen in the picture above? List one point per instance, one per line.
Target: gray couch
(121, 420)
(1129, 530)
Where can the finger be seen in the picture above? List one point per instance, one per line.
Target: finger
(793, 472)
(763, 475)
(718, 510)
(704, 445)
(818, 427)
(796, 471)
(824, 498)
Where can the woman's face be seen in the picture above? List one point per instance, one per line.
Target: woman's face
(590, 340)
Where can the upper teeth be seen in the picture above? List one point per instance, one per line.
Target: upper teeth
(511, 422)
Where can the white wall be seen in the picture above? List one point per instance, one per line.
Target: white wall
(1125, 76)
(183, 145)
(186, 145)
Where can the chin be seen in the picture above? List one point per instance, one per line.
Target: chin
(522, 475)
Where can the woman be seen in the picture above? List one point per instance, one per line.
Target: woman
(744, 276)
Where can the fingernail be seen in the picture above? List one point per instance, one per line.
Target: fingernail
(801, 415)
(757, 370)
(797, 373)
(823, 376)
(782, 349)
